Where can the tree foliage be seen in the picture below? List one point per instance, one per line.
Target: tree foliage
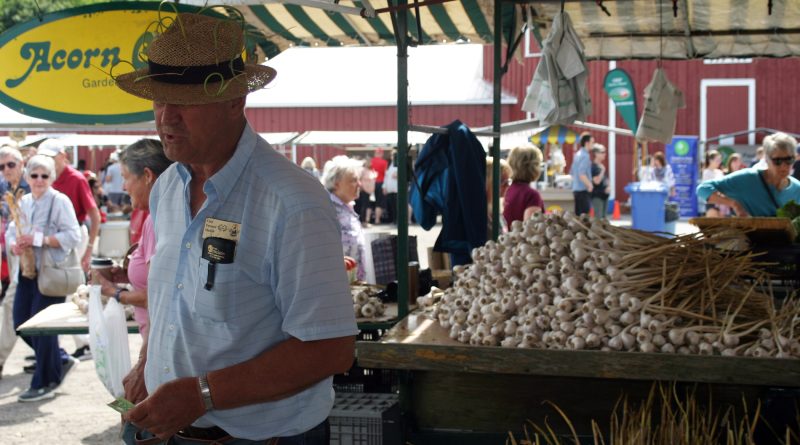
(13, 12)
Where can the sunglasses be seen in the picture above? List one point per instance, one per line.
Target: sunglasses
(788, 160)
(37, 176)
(10, 165)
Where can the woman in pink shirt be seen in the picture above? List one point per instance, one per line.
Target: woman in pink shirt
(141, 164)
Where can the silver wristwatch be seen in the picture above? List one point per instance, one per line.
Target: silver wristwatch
(205, 392)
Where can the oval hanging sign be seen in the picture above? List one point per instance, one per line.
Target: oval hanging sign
(59, 68)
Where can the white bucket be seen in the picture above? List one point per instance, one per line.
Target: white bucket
(114, 239)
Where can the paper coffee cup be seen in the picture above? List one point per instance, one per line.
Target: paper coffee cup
(100, 264)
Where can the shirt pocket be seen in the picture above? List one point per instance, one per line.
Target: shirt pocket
(219, 303)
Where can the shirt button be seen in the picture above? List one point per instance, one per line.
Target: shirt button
(180, 285)
(188, 245)
(166, 369)
(172, 327)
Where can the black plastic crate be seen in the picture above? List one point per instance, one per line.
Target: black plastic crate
(367, 380)
(365, 419)
(783, 265)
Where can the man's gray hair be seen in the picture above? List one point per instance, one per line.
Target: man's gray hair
(145, 153)
(779, 141)
(337, 168)
(8, 150)
(42, 162)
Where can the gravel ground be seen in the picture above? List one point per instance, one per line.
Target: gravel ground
(77, 415)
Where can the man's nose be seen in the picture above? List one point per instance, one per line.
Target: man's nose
(169, 113)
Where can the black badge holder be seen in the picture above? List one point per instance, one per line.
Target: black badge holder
(217, 251)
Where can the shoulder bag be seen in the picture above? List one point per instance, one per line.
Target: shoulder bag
(58, 279)
(769, 192)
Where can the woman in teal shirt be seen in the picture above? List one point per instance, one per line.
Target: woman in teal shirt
(755, 192)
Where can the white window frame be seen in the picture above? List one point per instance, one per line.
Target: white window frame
(528, 37)
(705, 84)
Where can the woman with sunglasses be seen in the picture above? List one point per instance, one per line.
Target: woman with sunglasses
(757, 192)
(47, 220)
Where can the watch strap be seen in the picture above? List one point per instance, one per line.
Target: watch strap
(117, 292)
(205, 392)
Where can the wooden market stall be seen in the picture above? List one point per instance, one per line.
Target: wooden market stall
(450, 387)
(489, 391)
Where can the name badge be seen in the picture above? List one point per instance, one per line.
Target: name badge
(217, 228)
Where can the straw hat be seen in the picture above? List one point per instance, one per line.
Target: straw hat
(188, 62)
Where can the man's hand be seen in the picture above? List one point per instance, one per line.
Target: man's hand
(135, 390)
(174, 406)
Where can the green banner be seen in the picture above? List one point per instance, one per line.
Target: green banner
(619, 87)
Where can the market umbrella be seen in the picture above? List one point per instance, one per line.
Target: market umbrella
(554, 134)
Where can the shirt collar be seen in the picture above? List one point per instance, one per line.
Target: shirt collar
(338, 201)
(224, 180)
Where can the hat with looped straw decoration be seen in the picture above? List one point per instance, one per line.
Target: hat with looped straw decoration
(197, 60)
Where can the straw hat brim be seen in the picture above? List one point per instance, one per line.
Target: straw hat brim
(139, 84)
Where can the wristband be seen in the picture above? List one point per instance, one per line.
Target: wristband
(205, 392)
(117, 292)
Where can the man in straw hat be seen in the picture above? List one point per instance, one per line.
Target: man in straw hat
(249, 304)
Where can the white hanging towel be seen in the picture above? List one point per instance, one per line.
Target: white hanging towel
(661, 102)
(558, 93)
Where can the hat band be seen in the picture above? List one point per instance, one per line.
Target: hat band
(193, 75)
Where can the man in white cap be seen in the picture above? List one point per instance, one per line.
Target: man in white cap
(249, 303)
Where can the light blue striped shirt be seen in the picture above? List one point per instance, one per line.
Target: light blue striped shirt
(287, 280)
(581, 165)
(63, 223)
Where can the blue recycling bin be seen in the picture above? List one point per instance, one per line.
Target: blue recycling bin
(647, 205)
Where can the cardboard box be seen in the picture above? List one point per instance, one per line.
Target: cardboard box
(443, 276)
(438, 260)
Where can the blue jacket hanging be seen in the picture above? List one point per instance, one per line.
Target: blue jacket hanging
(451, 180)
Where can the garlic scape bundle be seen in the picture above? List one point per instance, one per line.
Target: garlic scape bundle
(564, 282)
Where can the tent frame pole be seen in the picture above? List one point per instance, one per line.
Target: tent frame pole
(496, 116)
(401, 38)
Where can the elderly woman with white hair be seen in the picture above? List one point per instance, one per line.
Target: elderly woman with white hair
(756, 192)
(47, 225)
(340, 178)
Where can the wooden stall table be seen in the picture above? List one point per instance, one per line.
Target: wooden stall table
(489, 391)
(61, 319)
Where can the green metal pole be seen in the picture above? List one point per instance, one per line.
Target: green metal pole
(498, 77)
(402, 161)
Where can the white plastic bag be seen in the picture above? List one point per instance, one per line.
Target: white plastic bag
(108, 338)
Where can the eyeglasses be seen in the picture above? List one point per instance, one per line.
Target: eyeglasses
(788, 160)
(10, 165)
(37, 176)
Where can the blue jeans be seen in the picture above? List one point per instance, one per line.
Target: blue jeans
(27, 303)
(319, 435)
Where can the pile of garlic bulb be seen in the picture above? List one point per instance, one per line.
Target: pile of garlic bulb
(365, 303)
(564, 282)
